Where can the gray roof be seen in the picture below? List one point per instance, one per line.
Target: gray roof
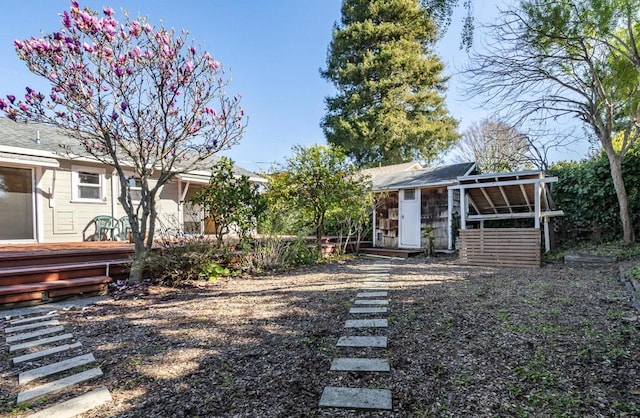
(25, 135)
(53, 140)
(386, 169)
(422, 178)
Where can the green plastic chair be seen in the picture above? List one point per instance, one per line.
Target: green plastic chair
(106, 226)
(125, 227)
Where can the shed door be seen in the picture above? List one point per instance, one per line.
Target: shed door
(409, 223)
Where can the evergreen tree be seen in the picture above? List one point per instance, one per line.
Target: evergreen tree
(390, 105)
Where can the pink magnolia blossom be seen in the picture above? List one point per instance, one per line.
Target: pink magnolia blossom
(135, 52)
(135, 29)
(108, 11)
(23, 106)
(3, 104)
(188, 66)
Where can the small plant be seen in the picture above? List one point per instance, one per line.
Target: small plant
(427, 232)
(212, 271)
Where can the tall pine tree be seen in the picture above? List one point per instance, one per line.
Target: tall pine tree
(390, 105)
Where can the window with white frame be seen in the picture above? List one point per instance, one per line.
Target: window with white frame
(88, 184)
(135, 188)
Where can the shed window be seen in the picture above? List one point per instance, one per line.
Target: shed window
(410, 194)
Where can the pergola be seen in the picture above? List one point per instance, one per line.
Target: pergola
(516, 195)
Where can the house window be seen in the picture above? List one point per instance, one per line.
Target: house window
(88, 184)
(135, 188)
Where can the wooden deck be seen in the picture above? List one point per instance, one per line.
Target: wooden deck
(38, 273)
(392, 252)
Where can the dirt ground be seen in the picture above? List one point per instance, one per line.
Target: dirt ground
(463, 342)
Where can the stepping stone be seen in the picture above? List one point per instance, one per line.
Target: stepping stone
(367, 310)
(371, 295)
(371, 280)
(371, 302)
(376, 342)
(356, 398)
(40, 342)
(33, 318)
(360, 365)
(58, 385)
(34, 334)
(76, 406)
(28, 376)
(366, 323)
(31, 326)
(44, 353)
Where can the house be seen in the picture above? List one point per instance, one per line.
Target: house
(48, 195)
(411, 198)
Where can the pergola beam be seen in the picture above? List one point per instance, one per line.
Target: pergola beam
(524, 194)
(523, 215)
(506, 199)
(486, 196)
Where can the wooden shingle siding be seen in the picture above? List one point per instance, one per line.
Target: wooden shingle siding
(500, 247)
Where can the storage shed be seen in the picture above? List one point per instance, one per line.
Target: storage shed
(410, 198)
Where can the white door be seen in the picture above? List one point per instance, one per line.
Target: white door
(409, 222)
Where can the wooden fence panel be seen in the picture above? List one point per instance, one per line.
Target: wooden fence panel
(500, 247)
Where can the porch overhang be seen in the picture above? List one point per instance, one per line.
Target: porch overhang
(28, 160)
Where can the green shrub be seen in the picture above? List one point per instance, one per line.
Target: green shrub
(278, 253)
(586, 194)
(185, 259)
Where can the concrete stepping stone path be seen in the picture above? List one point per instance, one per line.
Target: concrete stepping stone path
(58, 385)
(47, 352)
(367, 310)
(379, 341)
(34, 318)
(77, 405)
(31, 326)
(374, 286)
(356, 398)
(42, 341)
(360, 365)
(367, 323)
(371, 302)
(35, 331)
(372, 295)
(34, 334)
(49, 369)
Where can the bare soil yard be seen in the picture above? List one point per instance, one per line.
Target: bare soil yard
(463, 342)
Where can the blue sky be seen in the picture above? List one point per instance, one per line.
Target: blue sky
(273, 48)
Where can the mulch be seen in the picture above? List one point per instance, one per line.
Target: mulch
(463, 341)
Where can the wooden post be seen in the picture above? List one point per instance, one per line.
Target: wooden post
(547, 238)
(449, 219)
(536, 203)
(375, 227)
(463, 209)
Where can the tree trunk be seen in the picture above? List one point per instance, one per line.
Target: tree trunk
(615, 163)
(137, 264)
(319, 232)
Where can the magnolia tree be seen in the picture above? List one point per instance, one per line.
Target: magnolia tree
(139, 98)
